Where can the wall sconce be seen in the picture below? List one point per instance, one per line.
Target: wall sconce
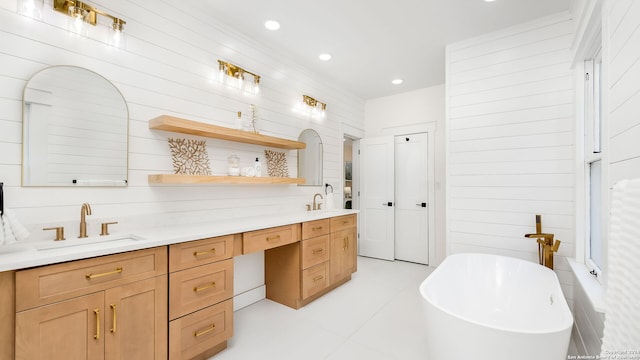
(83, 14)
(312, 107)
(31, 8)
(234, 76)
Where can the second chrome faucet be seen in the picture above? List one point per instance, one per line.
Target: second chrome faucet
(84, 211)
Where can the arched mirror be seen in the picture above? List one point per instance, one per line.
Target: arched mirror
(75, 128)
(310, 158)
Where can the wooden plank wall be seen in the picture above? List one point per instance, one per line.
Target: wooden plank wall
(167, 67)
(510, 117)
(624, 89)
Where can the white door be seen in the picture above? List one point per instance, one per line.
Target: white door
(376, 197)
(412, 203)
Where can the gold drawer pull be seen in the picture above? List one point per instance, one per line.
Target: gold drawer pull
(204, 287)
(345, 222)
(316, 228)
(198, 253)
(317, 251)
(269, 238)
(97, 335)
(115, 318)
(345, 241)
(318, 278)
(202, 332)
(93, 276)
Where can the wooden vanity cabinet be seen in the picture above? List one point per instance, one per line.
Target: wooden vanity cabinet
(200, 297)
(325, 258)
(109, 307)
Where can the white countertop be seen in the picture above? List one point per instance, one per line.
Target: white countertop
(29, 254)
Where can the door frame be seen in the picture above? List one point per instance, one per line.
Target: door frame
(430, 129)
(355, 134)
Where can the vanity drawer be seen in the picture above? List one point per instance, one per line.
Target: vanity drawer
(311, 229)
(315, 251)
(269, 238)
(315, 279)
(51, 283)
(198, 287)
(339, 223)
(194, 253)
(201, 332)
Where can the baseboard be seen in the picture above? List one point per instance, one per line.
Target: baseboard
(249, 297)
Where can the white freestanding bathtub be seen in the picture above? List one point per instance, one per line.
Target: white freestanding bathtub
(489, 307)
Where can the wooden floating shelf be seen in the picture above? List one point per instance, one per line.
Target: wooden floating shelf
(200, 179)
(184, 126)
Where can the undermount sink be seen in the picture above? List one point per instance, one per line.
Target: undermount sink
(325, 212)
(14, 248)
(84, 242)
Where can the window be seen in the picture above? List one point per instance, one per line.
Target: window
(594, 165)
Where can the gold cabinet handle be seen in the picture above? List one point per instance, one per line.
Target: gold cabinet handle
(317, 251)
(316, 228)
(345, 222)
(345, 243)
(318, 278)
(269, 238)
(202, 332)
(204, 287)
(93, 276)
(198, 253)
(97, 313)
(115, 318)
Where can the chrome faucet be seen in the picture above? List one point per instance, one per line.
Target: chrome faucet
(84, 211)
(316, 206)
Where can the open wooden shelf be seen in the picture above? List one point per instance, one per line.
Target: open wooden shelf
(199, 179)
(184, 126)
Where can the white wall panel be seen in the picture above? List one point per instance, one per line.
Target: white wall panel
(510, 105)
(624, 89)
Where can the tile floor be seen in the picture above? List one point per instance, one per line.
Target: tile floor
(375, 316)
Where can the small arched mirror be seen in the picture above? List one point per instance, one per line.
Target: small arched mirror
(75, 126)
(310, 158)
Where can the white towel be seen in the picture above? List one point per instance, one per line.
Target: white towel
(9, 238)
(19, 231)
(622, 319)
(329, 202)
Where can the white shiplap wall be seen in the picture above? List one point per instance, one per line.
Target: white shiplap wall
(168, 67)
(510, 118)
(624, 89)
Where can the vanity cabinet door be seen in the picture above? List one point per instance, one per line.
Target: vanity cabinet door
(72, 329)
(343, 254)
(136, 322)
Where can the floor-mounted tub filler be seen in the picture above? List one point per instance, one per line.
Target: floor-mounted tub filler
(489, 307)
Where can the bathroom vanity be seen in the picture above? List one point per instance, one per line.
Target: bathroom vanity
(168, 294)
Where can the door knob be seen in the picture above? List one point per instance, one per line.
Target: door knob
(424, 204)
(387, 204)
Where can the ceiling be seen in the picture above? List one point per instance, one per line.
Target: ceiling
(374, 41)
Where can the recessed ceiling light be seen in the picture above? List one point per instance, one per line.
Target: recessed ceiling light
(397, 81)
(489, 0)
(272, 25)
(324, 57)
